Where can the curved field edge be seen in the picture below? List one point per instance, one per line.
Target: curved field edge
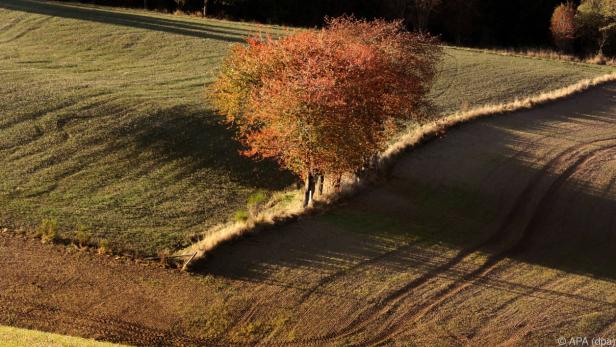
(282, 213)
(540, 54)
(109, 129)
(15, 337)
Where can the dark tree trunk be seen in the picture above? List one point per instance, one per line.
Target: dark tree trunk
(145, 4)
(310, 188)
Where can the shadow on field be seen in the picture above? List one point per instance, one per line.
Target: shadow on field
(182, 133)
(201, 30)
(537, 186)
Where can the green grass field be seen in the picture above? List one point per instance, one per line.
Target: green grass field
(104, 124)
(14, 337)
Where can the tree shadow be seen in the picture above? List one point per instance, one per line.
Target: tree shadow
(184, 133)
(200, 30)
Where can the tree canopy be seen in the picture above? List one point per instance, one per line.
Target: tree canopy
(324, 102)
(563, 26)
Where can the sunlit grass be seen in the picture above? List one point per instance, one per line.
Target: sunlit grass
(14, 337)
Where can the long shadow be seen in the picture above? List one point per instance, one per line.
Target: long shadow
(200, 30)
(536, 186)
(183, 133)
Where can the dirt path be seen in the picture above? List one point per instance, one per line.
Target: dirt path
(502, 232)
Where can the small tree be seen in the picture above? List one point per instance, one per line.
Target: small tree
(324, 102)
(596, 22)
(563, 26)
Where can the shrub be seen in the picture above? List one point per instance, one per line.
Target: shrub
(562, 26)
(325, 102)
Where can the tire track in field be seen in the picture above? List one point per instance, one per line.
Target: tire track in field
(111, 329)
(344, 272)
(64, 105)
(388, 306)
(539, 213)
(10, 24)
(33, 25)
(531, 291)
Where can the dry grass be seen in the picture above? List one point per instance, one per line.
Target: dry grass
(283, 206)
(279, 212)
(418, 135)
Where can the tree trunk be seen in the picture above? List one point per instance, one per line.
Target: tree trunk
(320, 183)
(310, 188)
(602, 41)
(205, 8)
(145, 4)
(338, 184)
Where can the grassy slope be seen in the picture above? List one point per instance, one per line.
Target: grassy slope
(13, 337)
(471, 78)
(103, 121)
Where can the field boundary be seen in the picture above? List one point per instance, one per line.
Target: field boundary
(544, 55)
(231, 232)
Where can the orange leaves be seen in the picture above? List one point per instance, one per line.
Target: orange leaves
(325, 101)
(562, 25)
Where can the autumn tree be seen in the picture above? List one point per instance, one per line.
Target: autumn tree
(562, 26)
(325, 102)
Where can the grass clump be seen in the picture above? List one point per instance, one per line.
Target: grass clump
(241, 216)
(82, 236)
(48, 230)
(104, 247)
(255, 202)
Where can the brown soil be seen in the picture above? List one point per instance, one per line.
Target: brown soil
(502, 232)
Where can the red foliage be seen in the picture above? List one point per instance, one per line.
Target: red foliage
(325, 101)
(562, 25)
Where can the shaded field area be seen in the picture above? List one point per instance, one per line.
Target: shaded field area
(500, 232)
(104, 125)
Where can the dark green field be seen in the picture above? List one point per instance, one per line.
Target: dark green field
(104, 123)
